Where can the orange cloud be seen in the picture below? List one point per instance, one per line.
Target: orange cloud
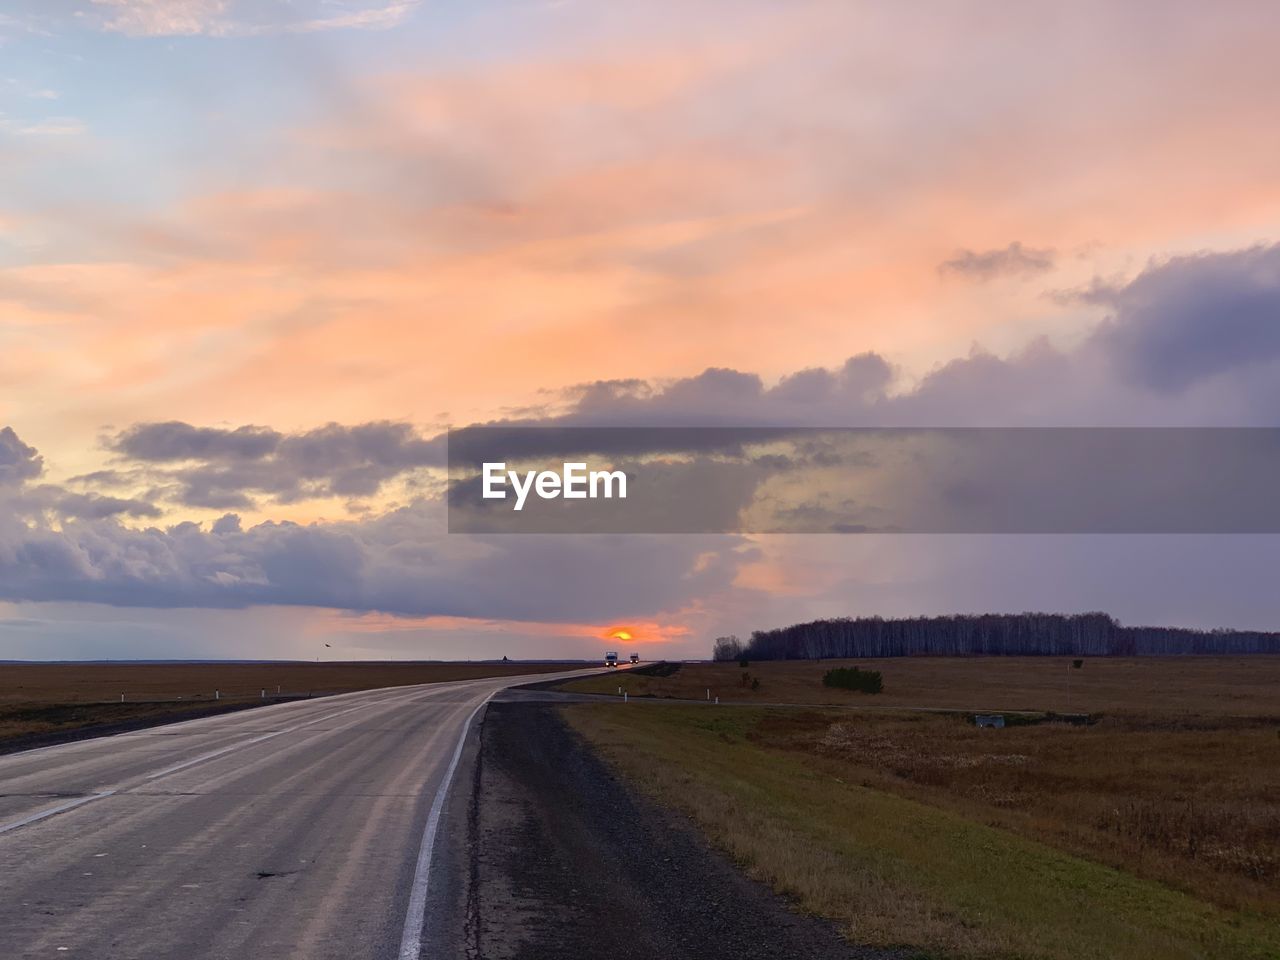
(440, 245)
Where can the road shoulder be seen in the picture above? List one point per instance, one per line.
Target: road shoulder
(567, 862)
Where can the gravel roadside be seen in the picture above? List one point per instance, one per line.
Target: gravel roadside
(567, 862)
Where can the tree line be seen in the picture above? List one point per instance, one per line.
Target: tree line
(989, 634)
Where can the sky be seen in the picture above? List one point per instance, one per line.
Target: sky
(256, 256)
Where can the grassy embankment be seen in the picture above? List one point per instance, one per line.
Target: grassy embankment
(42, 701)
(1145, 836)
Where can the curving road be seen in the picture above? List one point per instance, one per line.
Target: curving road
(297, 830)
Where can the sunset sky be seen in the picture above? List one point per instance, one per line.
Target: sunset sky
(256, 255)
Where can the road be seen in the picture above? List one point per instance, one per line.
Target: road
(301, 830)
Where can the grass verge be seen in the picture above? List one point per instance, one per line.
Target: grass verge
(896, 871)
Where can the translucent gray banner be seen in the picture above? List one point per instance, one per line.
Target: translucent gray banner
(863, 480)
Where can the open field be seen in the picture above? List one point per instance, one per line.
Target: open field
(1192, 805)
(1133, 840)
(1234, 686)
(39, 701)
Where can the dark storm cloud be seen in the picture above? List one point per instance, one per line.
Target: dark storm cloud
(220, 469)
(104, 478)
(1013, 260)
(57, 545)
(62, 504)
(93, 506)
(682, 416)
(355, 461)
(1170, 328)
(18, 462)
(400, 563)
(1192, 318)
(227, 523)
(174, 440)
(1192, 341)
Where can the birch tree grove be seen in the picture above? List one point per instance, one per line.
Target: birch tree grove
(993, 634)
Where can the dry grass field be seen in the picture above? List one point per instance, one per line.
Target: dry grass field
(1194, 805)
(1139, 838)
(1230, 686)
(1152, 832)
(43, 700)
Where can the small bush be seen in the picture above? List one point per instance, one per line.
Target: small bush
(755, 683)
(851, 678)
(744, 662)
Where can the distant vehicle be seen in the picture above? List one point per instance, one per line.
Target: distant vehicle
(635, 658)
(611, 658)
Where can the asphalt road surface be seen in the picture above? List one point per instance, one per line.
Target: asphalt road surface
(301, 830)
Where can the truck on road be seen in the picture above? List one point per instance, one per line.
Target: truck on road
(635, 658)
(611, 658)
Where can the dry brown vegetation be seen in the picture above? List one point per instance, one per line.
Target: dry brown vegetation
(917, 867)
(1232, 686)
(1193, 803)
(1152, 832)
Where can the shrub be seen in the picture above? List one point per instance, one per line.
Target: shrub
(851, 678)
(744, 662)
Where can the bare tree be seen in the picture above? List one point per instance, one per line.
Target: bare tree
(727, 648)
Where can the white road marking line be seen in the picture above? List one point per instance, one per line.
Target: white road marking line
(81, 801)
(70, 804)
(252, 740)
(219, 719)
(415, 916)
(214, 753)
(418, 895)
